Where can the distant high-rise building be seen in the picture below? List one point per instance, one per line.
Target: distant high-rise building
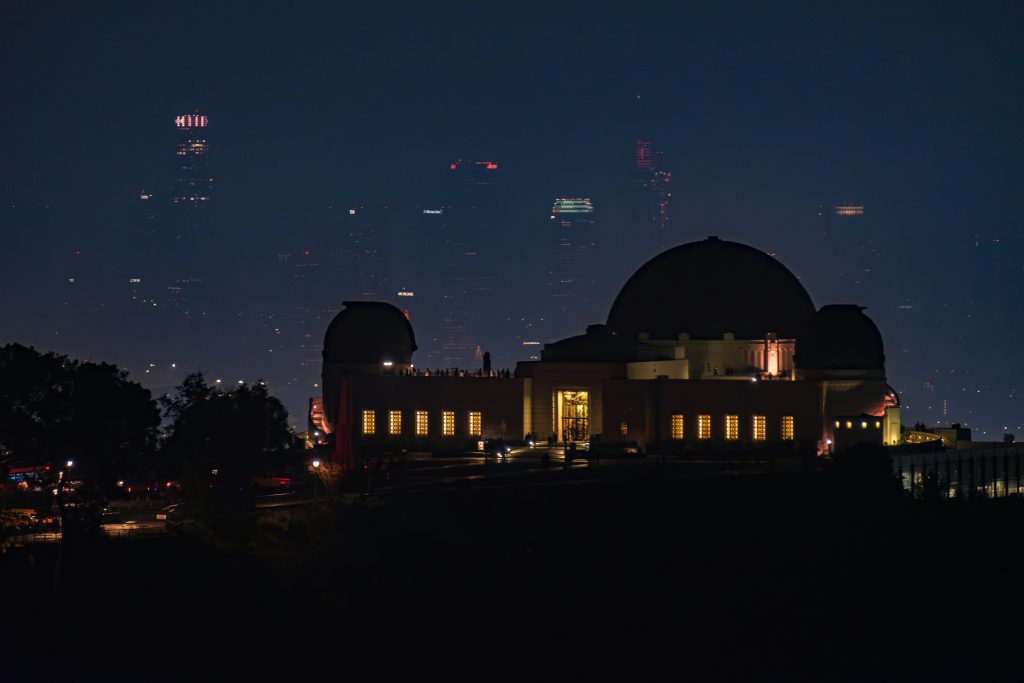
(468, 217)
(571, 279)
(363, 253)
(182, 238)
(193, 185)
(654, 184)
(846, 230)
(645, 155)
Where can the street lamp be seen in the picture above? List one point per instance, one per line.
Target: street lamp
(316, 475)
(71, 463)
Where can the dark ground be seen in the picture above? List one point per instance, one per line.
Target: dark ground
(777, 576)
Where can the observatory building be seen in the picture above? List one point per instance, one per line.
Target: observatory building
(709, 342)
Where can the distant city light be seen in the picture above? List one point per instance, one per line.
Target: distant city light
(434, 212)
(849, 209)
(572, 205)
(406, 293)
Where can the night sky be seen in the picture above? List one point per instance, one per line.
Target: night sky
(768, 114)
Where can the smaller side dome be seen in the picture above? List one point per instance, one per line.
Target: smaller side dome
(369, 332)
(840, 337)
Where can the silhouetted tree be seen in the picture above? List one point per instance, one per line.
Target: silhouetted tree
(866, 470)
(217, 437)
(55, 409)
(1009, 438)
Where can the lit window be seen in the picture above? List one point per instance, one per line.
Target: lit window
(787, 427)
(760, 424)
(474, 423)
(732, 427)
(395, 422)
(703, 426)
(878, 424)
(677, 425)
(369, 422)
(849, 425)
(624, 429)
(837, 424)
(863, 424)
(421, 422)
(448, 423)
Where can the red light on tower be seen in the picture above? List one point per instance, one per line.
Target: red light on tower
(191, 121)
(644, 156)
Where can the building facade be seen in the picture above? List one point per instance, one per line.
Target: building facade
(710, 343)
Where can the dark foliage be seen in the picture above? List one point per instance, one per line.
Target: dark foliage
(54, 409)
(218, 439)
(866, 471)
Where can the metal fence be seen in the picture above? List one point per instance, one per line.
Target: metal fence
(962, 474)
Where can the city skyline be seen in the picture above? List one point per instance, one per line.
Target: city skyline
(934, 251)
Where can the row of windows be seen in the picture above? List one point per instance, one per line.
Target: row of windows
(422, 422)
(732, 427)
(863, 424)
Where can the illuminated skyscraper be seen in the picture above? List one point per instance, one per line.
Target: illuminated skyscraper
(572, 278)
(654, 184)
(469, 215)
(185, 244)
(192, 185)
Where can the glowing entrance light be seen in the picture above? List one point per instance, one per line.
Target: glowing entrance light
(573, 415)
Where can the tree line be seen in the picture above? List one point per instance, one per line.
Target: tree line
(54, 409)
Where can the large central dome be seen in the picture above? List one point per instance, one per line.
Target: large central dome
(709, 288)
